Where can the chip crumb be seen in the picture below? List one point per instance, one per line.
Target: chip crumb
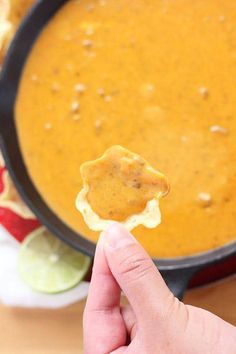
(205, 199)
(204, 92)
(80, 88)
(75, 106)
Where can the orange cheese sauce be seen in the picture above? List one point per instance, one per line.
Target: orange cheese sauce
(157, 77)
(120, 184)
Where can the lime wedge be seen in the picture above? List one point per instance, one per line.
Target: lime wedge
(48, 265)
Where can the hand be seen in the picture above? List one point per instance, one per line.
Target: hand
(155, 322)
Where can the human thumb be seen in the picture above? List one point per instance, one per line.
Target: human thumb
(135, 272)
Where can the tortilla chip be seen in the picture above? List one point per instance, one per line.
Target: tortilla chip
(10, 199)
(11, 13)
(5, 25)
(120, 186)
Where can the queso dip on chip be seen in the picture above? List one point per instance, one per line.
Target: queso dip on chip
(120, 186)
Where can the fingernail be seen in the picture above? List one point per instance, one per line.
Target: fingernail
(116, 236)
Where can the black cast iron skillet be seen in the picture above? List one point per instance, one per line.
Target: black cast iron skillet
(176, 271)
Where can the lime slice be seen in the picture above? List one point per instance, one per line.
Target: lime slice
(49, 265)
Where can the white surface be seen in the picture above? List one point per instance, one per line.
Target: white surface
(14, 292)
